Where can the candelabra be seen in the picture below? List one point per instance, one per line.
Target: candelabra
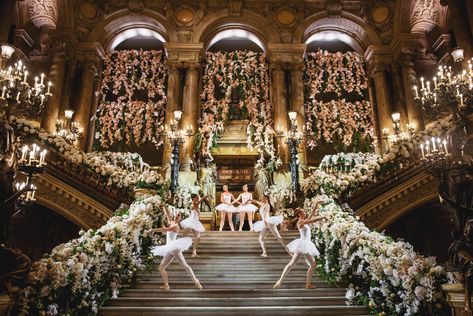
(69, 130)
(293, 139)
(15, 89)
(399, 134)
(176, 137)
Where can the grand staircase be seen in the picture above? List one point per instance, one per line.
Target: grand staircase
(236, 281)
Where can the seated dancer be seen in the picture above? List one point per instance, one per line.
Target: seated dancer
(245, 207)
(268, 224)
(193, 223)
(303, 246)
(226, 208)
(173, 249)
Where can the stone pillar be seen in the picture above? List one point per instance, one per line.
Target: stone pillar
(409, 79)
(383, 101)
(191, 113)
(171, 105)
(297, 104)
(56, 76)
(7, 10)
(83, 112)
(458, 16)
(279, 107)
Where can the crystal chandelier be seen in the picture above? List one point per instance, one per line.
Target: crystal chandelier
(15, 88)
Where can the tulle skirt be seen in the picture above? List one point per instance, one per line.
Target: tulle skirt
(303, 246)
(226, 208)
(180, 244)
(273, 220)
(192, 223)
(247, 208)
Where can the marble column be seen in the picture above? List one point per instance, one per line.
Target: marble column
(409, 79)
(191, 113)
(56, 76)
(297, 104)
(383, 100)
(172, 105)
(83, 112)
(7, 10)
(279, 102)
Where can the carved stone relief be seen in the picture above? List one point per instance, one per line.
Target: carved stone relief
(425, 15)
(43, 13)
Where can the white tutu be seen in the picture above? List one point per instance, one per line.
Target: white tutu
(303, 246)
(226, 208)
(247, 208)
(192, 223)
(273, 220)
(180, 244)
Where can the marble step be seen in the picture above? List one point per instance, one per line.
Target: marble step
(289, 310)
(226, 283)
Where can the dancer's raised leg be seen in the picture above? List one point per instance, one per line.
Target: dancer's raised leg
(222, 219)
(287, 268)
(230, 221)
(262, 235)
(182, 261)
(196, 243)
(167, 259)
(310, 272)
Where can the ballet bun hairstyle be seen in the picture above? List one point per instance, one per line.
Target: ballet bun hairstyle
(298, 212)
(193, 195)
(269, 202)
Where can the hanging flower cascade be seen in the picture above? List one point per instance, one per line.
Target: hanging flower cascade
(337, 121)
(77, 277)
(133, 98)
(248, 73)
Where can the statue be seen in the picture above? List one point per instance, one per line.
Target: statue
(461, 257)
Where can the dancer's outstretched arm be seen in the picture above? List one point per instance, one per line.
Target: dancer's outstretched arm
(171, 228)
(237, 200)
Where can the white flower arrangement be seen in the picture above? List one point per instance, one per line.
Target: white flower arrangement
(386, 275)
(183, 195)
(78, 276)
(281, 195)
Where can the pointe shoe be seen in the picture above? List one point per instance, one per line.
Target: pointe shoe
(165, 287)
(264, 255)
(309, 286)
(198, 285)
(277, 285)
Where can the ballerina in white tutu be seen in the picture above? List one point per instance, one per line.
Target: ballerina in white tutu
(303, 246)
(268, 224)
(226, 208)
(245, 207)
(193, 223)
(173, 249)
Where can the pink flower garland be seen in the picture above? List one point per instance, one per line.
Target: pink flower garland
(247, 71)
(133, 102)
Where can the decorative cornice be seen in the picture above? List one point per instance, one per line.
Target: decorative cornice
(184, 52)
(287, 53)
(70, 203)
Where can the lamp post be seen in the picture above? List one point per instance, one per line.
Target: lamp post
(294, 139)
(399, 134)
(69, 130)
(176, 137)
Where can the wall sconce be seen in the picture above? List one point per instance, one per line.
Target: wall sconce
(458, 54)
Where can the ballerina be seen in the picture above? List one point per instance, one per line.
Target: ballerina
(173, 249)
(303, 246)
(193, 223)
(226, 208)
(268, 224)
(245, 207)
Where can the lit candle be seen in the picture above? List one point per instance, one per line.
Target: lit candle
(427, 146)
(428, 86)
(445, 146)
(435, 82)
(433, 144)
(42, 78)
(449, 75)
(3, 91)
(18, 97)
(422, 82)
(422, 150)
(438, 144)
(17, 186)
(26, 75)
(435, 97)
(417, 92)
(461, 99)
(49, 86)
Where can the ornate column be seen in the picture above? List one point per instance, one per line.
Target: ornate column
(173, 97)
(83, 111)
(56, 76)
(191, 109)
(7, 10)
(383, 100)
(409, 78)
(458, 16)
(297, 103)
(280, 110)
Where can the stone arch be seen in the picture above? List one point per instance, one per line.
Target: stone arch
(120, 21)
(248, 21)
(361, 34)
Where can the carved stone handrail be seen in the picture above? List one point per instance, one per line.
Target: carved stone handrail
(383, 202)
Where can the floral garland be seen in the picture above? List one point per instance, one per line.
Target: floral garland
(385, 275)
(132, 107)
(79, 276)
(247, 72)
(104, 164)
(281, 195)
(183, 195)
(338, 121)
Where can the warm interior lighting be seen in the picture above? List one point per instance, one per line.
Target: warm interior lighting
(236, 33)
(136, 32)
(396, 117)
(68, 114)
(292, 115)
(458, 54)
(7, 51)
(177, 115)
